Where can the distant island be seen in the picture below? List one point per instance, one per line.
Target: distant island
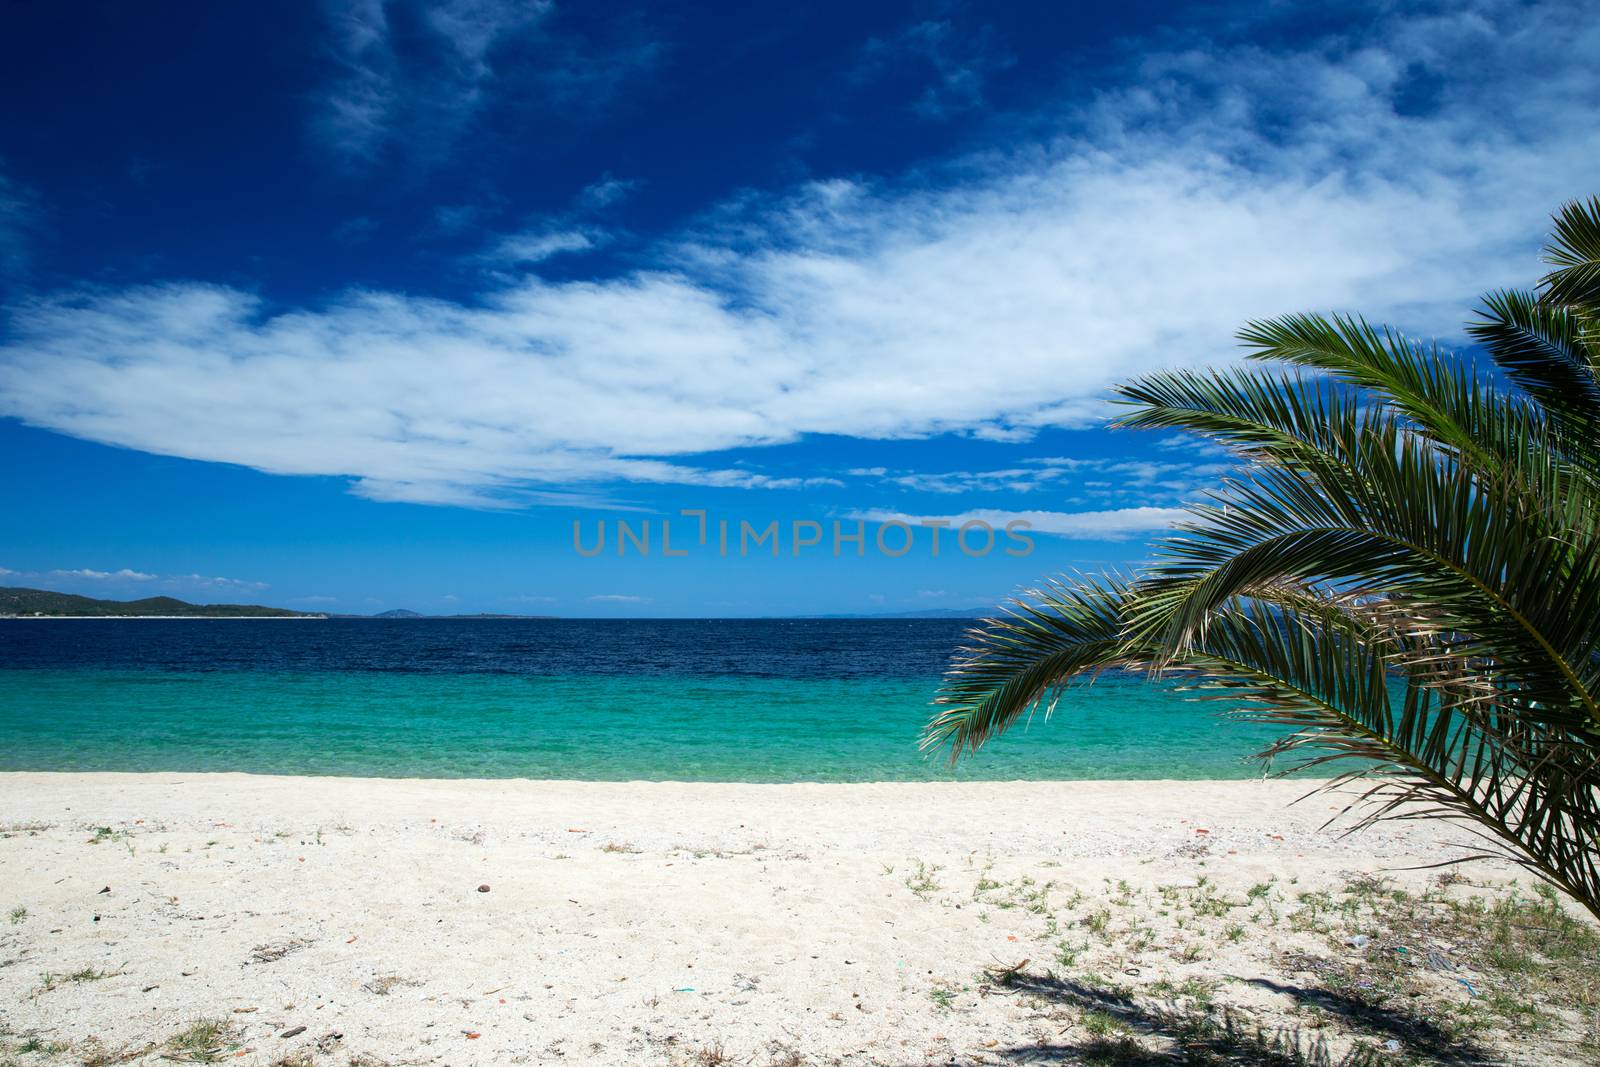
(17, 603)
(43, 603)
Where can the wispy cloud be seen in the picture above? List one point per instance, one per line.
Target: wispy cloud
(1000, 295)
(209, 581)
(19, 218)
(618, 598)
(536, 246)
(602, 194)
(1090, 477)
(357, 113)
(947, 61)
(124, 575)
(412, 77)
(1114, 525)
(425, 83)
(129, 576)
(577, 229)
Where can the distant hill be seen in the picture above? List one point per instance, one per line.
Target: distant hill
(399, 613)
(15, 601)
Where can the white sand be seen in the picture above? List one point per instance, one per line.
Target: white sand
(636, 923)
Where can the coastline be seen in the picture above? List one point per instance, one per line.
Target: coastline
(652, 922)
(1066, 817)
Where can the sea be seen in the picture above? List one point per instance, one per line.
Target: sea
(717, 700)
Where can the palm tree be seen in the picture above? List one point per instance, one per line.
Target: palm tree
(1403, 571)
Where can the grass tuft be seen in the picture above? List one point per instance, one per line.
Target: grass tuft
(203, 1041)
(49, 981)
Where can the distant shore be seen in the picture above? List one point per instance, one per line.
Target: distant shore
(202, 618)
(484, 922)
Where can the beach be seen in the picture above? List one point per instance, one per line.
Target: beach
(274, 919)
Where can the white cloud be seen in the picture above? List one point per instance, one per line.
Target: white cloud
(124, 575)
(1078, 525)
(999, 295)
(619, 598)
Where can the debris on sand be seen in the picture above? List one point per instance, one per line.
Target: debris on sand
(271, 953)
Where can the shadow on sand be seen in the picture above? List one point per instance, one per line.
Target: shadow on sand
(1199, 1035)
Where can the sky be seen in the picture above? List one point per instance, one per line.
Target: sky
(370, 304)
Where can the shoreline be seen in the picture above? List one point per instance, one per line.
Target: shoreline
(1307, 784)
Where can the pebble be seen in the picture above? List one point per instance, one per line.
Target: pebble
(483, 889)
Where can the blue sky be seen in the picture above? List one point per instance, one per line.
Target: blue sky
(360, 305)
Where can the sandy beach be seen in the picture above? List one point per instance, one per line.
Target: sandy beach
(148, 918)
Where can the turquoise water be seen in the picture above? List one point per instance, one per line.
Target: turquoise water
(593, 726)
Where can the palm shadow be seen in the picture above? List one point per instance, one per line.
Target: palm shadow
(1199, 1035)
(1414, 1031)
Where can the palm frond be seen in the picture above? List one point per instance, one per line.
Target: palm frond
(1018, 661)
(1436, 391)
(1541, 347)
(1574, 251)
(1403, 572)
